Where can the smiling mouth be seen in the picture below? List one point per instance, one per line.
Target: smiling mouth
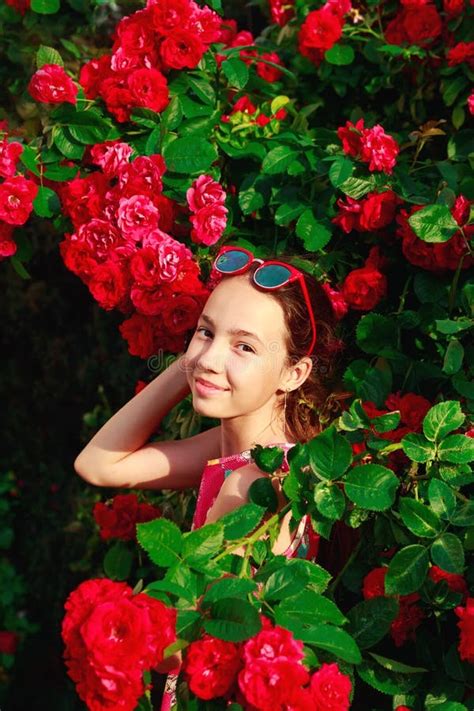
(210, 386)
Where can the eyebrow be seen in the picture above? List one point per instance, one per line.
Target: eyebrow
(232, 331)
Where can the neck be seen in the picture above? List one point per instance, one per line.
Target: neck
(244, 432)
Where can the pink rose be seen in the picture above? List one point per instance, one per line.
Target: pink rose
(171, 254)
(379, 149)
(111, 155)
(137, 216)
(208, 224)
(50, 84)
(205, 191)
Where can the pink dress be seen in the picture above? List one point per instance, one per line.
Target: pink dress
(304, 543)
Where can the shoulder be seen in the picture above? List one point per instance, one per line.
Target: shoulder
(234, 491)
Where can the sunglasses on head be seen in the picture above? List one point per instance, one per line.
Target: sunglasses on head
(270, 275)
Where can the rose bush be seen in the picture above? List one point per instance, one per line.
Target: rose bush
(186, 132)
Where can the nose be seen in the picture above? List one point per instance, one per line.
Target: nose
(212, 357)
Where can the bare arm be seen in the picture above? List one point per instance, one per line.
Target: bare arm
(119, 455)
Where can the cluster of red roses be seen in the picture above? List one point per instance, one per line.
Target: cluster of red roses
(410, 614)
(206, 199)
(118, 518)
(441, 255)
(169, 34)
(121, 248)
(231, 37)
(111, 637)
(16, 192)
(322, 28)
(264, 673)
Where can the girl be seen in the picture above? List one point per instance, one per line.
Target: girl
(259, 360)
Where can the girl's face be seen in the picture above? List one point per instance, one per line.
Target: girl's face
(245, 368)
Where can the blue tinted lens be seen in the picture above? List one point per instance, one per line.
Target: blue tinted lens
(231, 261)
(272, 275)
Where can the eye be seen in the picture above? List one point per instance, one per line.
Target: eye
(246, 346)
(201, 328)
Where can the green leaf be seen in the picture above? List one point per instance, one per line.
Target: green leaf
(357, 187)
(19, 267)
(284, 582)
(162, 540)
(418, 448)
(442, 498)
(308, 607)
(370, 620)
(395, 666)
(233, 620)
(48, 55)
(229, 587)
(340, 170)
(377, 334)
(188, 624)
(457, 448)
(419, 519)
(46, 202)
(45, 7)
(86, 126)
(464, 515)
(66, 144)
(188, 155)
(332, 639)
(442, 419)
(330, 454)
(453, 357)
(118, 561)
(407, 570)
(268, 459)
(371, 486)
(456, 475)
(387, 422)
(434, 223)
(287, 212)
(330, 501)
(314, 235)
(202, 543)
(314, 574)
(201, 88)
(236, 72)
(172, 115)
(242, 521)
(278, 160)
(385, 681)
(448, 553)
(340, 55)
(261, 492)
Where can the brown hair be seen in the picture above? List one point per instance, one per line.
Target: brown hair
(313, 404)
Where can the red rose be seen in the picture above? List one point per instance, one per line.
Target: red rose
(181, 49)
(149, 302)
(350, 136)
(348, 217)
(50, 84)
(7, 245)
(111, 637)
(413, 409)
(170, 15)
(16, 199)
(209, 224)
(461, 52)
(211, 667)
(337, 300)
(330, 689)
(273, 643)
(181, 313)
(92, 74)
(455, 582)
(142, 334)
(83, 198)
(466, 627)
(374, 582)
(378, 210)
(319, 32)
(282, 11)
(422, 24)
(148, 88)
(145, 267)
(453, 8)
(143, 175)
(8, 642)
(265, 71)
(109, 284)
(267, 684)
(363, 288)
(205, 191)
(10, 152)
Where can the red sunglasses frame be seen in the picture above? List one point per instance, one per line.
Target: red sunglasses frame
(295, 274)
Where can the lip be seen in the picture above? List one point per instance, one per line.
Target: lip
(206, 387)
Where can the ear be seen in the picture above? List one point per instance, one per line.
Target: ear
(297, 373)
